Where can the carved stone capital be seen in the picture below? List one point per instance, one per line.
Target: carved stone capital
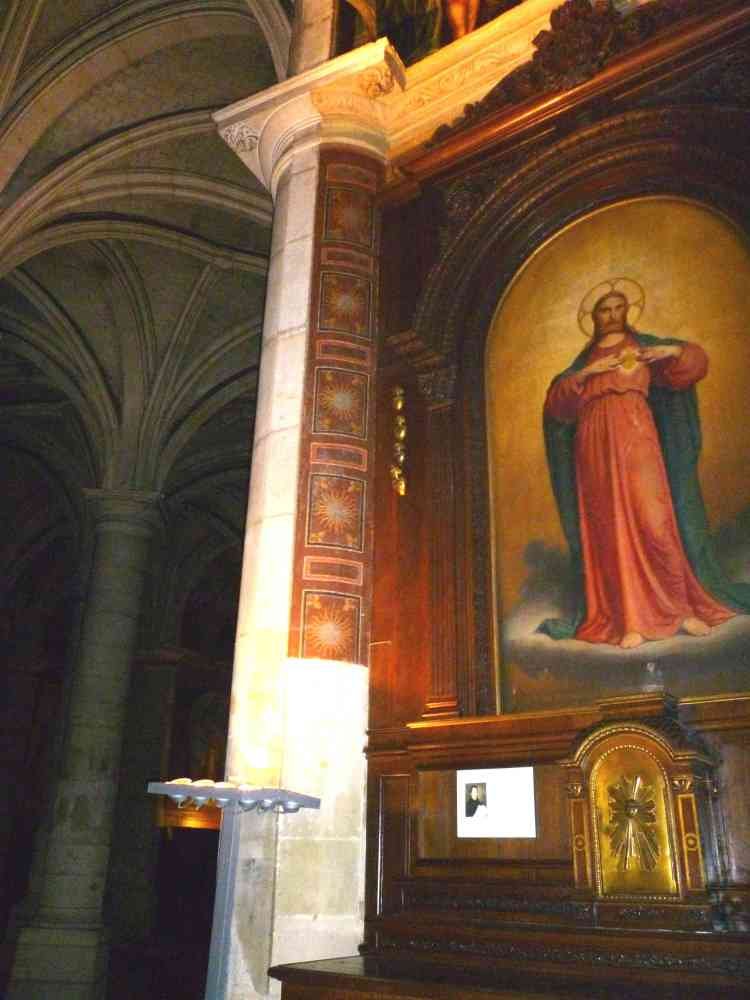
(135, 512)
(379, 80)
(239, 137)
(367, 99)
(338, 102)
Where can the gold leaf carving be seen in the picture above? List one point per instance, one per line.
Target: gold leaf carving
(683, 783)
(376, 82)
(632, 821)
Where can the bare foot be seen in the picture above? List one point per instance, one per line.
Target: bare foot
(694, 626)
(631, 639)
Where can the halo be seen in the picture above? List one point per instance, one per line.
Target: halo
(633, 292)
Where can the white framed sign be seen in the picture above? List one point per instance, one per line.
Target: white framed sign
(495, 802)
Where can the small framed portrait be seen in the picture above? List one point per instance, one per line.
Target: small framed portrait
(475, 800)
(496, 802)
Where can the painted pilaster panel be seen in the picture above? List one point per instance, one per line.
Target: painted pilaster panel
(330, 616)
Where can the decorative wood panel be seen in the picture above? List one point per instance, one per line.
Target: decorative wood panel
(436, 840)
(543, 174)
(393, 838)
(497, 903)
(401, 648)
(438, 387)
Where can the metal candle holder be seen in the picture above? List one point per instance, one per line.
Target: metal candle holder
(233, 800)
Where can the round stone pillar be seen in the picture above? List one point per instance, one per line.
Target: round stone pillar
(145, 753)
(299, 687)
(61, 954)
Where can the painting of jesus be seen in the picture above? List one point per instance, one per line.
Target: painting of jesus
(623, 441)
(618, 472)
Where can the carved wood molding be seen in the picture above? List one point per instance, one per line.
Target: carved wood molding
(551, 734)
(418, 897)
(654, 67)
(583, 38)
(542, 188)
(647, 958)
(725, 79)
(412, 348)
(442, 697)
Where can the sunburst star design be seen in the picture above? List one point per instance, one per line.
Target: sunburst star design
(632, 818)
(330, 632)
(337, 509)
(350, 215)
(341, 399)
(345, 302)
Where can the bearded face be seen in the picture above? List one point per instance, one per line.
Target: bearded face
(610, 315)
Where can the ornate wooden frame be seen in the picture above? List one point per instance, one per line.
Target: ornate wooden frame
(687, 140)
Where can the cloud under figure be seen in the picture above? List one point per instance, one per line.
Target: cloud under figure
(549, 574)
(732, 544)
(549, 672)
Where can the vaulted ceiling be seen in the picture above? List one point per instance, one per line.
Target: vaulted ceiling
(133, 255)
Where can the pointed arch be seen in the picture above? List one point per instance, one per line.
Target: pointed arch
(167, 184)
(277, 31)
(21, 215)
(64, 233)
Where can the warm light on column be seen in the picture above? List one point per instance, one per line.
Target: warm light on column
(254, 750)
(295, 694)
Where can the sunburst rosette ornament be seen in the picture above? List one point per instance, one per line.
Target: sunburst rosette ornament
(345, 304)
(632, 822)
(335, 512)
(630, 289)
(349, 216)
(331, 626)
(340, 405)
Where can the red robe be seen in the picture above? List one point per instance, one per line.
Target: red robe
(637, 576)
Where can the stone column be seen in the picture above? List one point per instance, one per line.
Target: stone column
(299, 692)
(62, 953)
(135, 841)
(313, 34)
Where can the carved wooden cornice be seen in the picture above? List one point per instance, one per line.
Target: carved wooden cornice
(532, 100)
(673, 138)
(366, 97)
(581, 41)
